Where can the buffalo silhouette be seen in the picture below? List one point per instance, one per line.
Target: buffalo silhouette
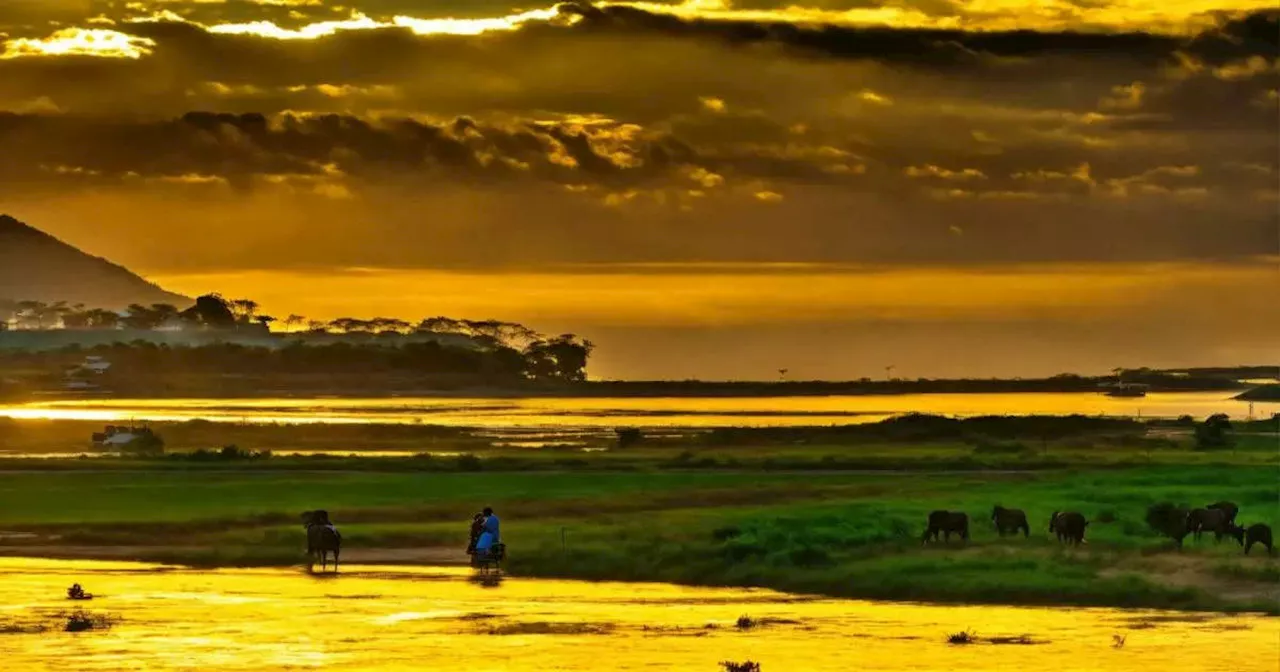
(1069, 526)
(1228, 508)
(322, 539)
(1208, 520)
(947, 523)
(1257, 534)
(1010, 521)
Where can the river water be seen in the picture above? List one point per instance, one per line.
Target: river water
(401, 618)
(535, 413)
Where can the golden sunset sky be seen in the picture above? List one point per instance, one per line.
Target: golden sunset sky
(705, 188)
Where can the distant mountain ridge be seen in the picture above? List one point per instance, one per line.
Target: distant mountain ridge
(35, 266)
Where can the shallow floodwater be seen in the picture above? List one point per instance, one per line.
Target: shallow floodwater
(558, 414)
(398, 618)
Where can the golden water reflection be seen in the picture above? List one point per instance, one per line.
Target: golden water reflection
(608, 412)
(399, 618)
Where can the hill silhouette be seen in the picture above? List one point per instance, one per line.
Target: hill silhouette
(38, 267)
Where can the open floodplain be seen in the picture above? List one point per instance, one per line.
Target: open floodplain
(642, 556)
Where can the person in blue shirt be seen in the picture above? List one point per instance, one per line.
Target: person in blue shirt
(489, 534)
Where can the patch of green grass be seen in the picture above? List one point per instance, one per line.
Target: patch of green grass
(854, 535)
(127, 497)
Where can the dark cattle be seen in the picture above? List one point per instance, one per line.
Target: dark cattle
(1169, 520)
(1257, 534)
(947, 523)
(1069, 526)
(1010, 521)
(1228, 508)
(322, 539)
(1208, 520)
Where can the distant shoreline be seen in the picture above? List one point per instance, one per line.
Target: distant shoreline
(284, 387)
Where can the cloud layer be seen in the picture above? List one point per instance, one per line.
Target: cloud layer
(487, 136)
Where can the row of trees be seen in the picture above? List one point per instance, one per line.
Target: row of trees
(494, 346)
(558, 359)
(212, 311)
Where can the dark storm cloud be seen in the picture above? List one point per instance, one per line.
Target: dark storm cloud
(237, 147)
(641, 136)
(1254, 34)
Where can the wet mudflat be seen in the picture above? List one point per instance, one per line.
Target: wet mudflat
(412, 618)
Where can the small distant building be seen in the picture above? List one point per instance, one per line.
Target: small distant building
(95, 364)
(91, 366)
(122, 438)
(82, 376)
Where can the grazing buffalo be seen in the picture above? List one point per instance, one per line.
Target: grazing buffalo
(1169, 520)
(1228, 508)
(1257, 534)
(1069, 526)
(947, 522)
(1010, 521)
(322, 539)
(1208, 520)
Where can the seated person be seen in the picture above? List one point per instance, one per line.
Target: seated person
(489, 532)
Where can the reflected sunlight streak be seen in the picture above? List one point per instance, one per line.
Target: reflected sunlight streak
(80, 42)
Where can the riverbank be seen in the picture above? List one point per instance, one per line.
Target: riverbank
(911, 442)
(32, 381)
(837, 534)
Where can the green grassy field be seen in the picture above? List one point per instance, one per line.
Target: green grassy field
(836, 511)
(854, 535)
(139, 496)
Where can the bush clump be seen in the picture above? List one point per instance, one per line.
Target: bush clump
(1214, 433)
(628, 436)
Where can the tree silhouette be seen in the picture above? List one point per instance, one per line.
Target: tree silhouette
(293, 320)
(31, 314)
(561, 358)
(164, 312)
(211, 311)
(138, 316)
(243, 309)
(1214, 432)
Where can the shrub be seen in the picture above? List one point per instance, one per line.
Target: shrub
(628, 436)
(1214, 433)
(745, 666)
(725, 533)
